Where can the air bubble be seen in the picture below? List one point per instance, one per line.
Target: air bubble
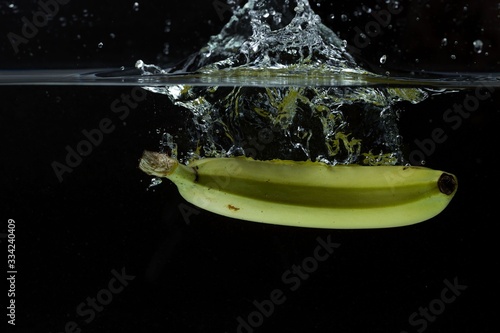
(444, 42)
(135, 7)
(478, 46)
(383, 59)
(100, 45)
(155, 182)
(453, 57)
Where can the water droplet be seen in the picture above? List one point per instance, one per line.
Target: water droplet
(299, 9)
(139, 64)
(100, 45)
(383, 59)
(444, 42)
(62, 20)
(453, 57)
(155, 182)
(135, 7)
(478, 46)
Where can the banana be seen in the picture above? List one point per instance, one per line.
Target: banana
(308, 194)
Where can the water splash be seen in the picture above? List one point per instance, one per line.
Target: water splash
(336, 125)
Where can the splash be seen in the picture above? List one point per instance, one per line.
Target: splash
(336, 125)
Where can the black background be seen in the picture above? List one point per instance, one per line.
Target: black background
(202, 275)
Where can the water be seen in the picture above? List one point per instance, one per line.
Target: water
(263, 113)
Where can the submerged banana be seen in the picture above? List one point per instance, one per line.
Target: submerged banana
(308, 194)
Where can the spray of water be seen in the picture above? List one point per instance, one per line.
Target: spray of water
(336, 125)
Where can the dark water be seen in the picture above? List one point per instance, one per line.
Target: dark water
(203, 274)
(185, 270)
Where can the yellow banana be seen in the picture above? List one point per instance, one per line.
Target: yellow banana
(308, 194)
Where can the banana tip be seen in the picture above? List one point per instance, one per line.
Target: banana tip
(157, 164)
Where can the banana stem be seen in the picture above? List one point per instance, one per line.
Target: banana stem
(157, 164)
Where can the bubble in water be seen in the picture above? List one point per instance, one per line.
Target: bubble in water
(155, 182)
(444, 42)
(383, 59)
(332, 16)
(100, 45)
(135, 7)
(453, 57)
(62, 20)
(166, 48)
(478, 46)
(344, 17)
(299, 9)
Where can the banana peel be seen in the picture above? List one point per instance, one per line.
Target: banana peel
(308, 194)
